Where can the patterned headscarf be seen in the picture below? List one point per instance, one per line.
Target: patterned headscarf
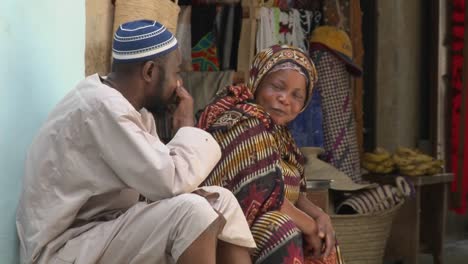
(268, 59)
(264, 63)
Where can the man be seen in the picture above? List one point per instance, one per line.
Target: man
(98, 151)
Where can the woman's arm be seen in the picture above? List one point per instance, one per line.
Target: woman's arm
(307, 225)
(324, 225)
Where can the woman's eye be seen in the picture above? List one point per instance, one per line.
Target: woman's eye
(298, 96)
(276, 87)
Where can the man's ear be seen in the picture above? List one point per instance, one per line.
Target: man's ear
(148, 71)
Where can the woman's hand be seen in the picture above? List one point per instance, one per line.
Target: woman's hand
(324, 225)
(326, 232)
(312, 242)
(308, 226)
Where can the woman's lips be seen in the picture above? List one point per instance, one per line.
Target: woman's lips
(278, 111)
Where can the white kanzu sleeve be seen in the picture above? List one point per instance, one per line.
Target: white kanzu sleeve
(143, 162)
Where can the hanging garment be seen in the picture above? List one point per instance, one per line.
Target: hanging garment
(268, 28)
(339, 126)
(227, 30)
(204, 51)
(290, 27)
(336, 13)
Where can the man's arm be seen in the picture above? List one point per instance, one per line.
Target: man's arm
(143, 162)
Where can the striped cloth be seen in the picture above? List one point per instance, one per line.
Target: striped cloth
(381, 198)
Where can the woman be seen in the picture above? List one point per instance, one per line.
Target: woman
(261, 163)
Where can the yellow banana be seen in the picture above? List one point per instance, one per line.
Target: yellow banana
(420, 158)
(372, 157)
(400, 161)
(403, 151)
(408, 167)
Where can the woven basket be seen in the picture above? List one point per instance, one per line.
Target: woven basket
(165, 12)
(363, 238)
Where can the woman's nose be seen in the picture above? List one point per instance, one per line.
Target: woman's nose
(283, 98)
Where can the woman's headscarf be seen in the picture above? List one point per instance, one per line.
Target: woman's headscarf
(264, 63)
(269, 59)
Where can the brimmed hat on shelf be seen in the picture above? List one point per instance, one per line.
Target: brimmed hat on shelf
(338, 43)
(316, 169)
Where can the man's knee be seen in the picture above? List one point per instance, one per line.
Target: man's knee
(225, 195)
(195, 208)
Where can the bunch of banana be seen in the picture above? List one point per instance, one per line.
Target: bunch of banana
(379, 161)
(415, 163)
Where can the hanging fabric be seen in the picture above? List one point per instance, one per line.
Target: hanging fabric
(268, 28)
(204, 50)
(228, 25)
(291, 27)
(459, 106)
(336, 13)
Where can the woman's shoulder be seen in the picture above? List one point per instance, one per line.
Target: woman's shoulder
(247, 115)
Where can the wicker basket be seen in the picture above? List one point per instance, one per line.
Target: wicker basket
(363, 238)
(165, 12)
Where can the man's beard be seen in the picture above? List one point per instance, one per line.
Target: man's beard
(160, 107)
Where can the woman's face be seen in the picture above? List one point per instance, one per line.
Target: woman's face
(282, 94)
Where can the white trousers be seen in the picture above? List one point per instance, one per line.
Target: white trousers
(158, 232)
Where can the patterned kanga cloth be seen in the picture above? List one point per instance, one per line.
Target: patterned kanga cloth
(261, 165)
(339, 125)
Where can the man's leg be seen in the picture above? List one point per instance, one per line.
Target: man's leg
(203, 249)
(228, 253)
(149, 233)
(235, 239)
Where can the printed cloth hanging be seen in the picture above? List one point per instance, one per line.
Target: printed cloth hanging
(458, 132)
(204, 51)
(339, 128)
(290, 27)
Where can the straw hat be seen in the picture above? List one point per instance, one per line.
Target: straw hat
(338, 43)
(316, 169)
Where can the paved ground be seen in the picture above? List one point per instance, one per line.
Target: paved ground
(456, 252)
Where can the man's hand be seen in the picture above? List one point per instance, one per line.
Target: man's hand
(183, 113)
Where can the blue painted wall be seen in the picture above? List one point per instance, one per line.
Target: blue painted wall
(42, 57)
